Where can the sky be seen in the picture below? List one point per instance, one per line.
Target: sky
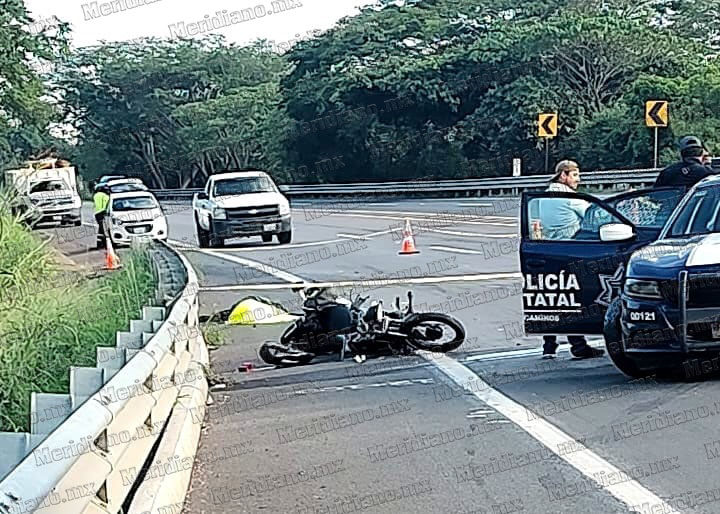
(239, 21)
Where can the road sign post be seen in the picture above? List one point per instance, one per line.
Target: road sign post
(656, 115)
(547, 128)
(516, 167)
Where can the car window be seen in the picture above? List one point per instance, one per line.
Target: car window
(651, 209)
(699, 215)
(567, 219)
(48, 186)
(131, 204)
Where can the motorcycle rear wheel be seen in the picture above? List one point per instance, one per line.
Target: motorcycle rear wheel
(416, 340)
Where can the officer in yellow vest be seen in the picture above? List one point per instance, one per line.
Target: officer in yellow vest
(101, 199)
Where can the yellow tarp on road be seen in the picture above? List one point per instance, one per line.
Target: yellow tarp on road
(254, 310)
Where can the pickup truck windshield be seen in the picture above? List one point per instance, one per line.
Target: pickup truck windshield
(133, 204)
(241, 186)
(49, 186)
(700, 215)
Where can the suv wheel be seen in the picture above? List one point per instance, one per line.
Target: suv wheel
(267, 238)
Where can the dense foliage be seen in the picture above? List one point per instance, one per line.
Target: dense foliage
(428, 89)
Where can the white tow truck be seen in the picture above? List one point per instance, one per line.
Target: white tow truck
(241, 204)
(46, 192)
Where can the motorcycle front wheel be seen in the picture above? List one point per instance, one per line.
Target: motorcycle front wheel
(425, 329)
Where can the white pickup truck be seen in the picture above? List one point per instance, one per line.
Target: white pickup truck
(241, 204)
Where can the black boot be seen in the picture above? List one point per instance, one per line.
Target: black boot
(586, 352)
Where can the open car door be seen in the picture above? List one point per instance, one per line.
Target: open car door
(572, 273)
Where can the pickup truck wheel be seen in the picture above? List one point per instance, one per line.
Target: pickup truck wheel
(215, 240)
(284, 237)
(202, 236)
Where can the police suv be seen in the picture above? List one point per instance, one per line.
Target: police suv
(643, 269)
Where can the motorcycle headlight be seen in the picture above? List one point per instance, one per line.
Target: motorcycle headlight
(642, 288)
(219, 213)
(284, 209)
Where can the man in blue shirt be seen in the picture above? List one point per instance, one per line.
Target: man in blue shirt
(561, 219)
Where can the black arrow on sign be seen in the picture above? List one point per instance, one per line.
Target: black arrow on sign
(546, 125)
(654, 113)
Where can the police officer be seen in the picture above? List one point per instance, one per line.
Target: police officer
(101, 200)
(691, 169)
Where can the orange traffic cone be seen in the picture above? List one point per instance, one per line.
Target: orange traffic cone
(112, 261)
(408, 242)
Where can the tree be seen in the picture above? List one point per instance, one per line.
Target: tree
(26, 111)
(122, 97)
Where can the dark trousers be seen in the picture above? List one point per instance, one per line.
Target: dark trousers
(100, 219)
(576, 343)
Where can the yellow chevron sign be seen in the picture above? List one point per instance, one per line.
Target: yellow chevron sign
(656, 113)
(547, 124)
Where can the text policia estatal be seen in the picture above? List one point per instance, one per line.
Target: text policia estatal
(550, 290)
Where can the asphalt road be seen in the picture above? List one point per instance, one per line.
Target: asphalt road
(489, 428)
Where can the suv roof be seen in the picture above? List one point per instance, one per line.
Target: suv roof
(133, 194)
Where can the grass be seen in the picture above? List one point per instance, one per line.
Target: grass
(49, 323)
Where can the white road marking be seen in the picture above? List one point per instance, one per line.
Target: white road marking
(265, 268)
(353, 236)
(358, 387)
(514, 354)
(630, 492)
(453, 221)
(431, 214)
(369, 282)
(470, 204)
(456, 250)
(272, 248)
(467, 234)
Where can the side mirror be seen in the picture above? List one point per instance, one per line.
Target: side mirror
(202, 195)
(616, 232)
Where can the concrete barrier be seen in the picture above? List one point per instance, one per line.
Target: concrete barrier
(87, 449)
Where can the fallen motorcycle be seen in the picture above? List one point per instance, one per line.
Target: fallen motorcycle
(331, 325)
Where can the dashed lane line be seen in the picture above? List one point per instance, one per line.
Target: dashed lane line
(468, 234)
(273, 248)
(630, 492)
(514, 354)
(456, 250)
(378, 282)
(403, 218)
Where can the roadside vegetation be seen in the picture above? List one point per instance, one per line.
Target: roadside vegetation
(52, 319)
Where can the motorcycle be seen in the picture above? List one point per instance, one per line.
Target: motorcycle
(330, 325)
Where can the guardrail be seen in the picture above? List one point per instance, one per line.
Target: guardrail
(496, 186)
(91, 454)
